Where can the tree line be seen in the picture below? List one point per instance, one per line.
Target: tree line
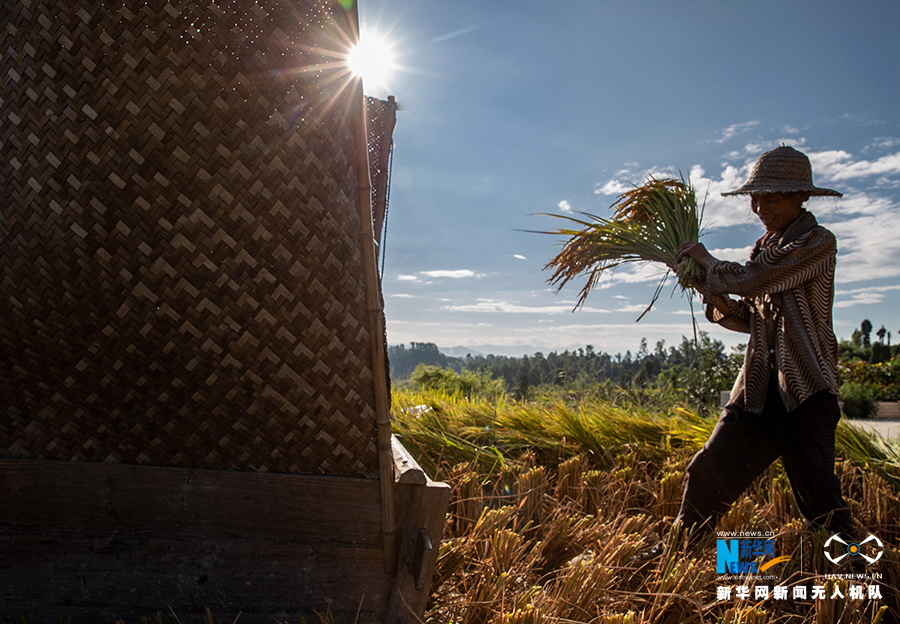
(700, 369)
(860, 346)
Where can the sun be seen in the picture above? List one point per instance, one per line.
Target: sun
(372, 59)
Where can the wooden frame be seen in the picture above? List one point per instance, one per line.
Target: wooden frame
(103, 542)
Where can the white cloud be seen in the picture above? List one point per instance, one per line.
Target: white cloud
(403, 296)
(625, 180)
(634, 308)
(735, 129)
(751, 151)
(732, 254)
(536, 334)
(630, 274)
(519, 257)
(619, 336)
(866, 223)
(789, 129)
(882, 143)
(493, 305)
(565, 206)
(869, 289)
(839, 166)
(457, 274)
(407, 278)
(852, 204)
(861, 296)
(868, 246)
(718, 211)
(721, 212)
(826, 164)
(859, 299)
(613, 187)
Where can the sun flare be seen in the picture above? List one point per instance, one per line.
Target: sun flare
(372, 59)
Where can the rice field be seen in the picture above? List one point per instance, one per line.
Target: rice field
(552, 498)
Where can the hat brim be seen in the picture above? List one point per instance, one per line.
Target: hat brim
(760, 189)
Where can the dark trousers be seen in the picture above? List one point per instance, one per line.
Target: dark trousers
(743, 444)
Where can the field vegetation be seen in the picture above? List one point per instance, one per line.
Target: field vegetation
(693, 371)
(554, 493)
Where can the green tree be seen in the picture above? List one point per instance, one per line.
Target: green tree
(856, 339)
(523, 380)
(700, 372)
(466, 382)
(866, 329)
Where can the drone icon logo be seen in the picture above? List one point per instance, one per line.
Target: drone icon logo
(853, 548)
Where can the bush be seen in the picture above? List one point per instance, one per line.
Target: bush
(465, 383)
(859, 400)
(882, 378)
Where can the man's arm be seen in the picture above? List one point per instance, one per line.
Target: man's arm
(773, 270)
(730, 314)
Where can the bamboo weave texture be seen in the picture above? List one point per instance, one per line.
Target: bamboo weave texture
(181, 281)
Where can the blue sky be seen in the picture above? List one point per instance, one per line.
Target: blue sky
(510, 109)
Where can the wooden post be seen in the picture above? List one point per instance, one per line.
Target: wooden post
(376, 331)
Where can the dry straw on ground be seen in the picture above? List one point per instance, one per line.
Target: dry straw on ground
(550, 501)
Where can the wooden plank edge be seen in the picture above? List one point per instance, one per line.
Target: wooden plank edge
(406, 469)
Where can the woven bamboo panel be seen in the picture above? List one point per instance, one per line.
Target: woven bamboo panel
(381, 117)
(181, 282)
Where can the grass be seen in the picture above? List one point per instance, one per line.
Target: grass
(551, 499)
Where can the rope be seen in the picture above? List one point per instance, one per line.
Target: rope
(387, 201)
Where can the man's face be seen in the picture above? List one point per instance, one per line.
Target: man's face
(777, 210)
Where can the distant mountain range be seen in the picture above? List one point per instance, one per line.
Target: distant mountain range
(460, 352)
(507, 350)
(404, 358)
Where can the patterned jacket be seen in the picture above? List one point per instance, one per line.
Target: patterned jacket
(787, 292)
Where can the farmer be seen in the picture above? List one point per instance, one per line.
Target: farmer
(784, 401)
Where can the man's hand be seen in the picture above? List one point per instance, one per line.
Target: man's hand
(697, 251)
(702, 257)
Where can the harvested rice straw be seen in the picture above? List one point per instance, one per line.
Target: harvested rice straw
(649, 224)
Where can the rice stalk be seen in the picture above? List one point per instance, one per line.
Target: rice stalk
(746, 615)
(532, 490)
(868, 451)
(565, 537)
(668, 498)
(618, 618)
(880, 505)
(547, 534)
(568, 479)
(649, 224)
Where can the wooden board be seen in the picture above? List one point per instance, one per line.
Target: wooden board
(102, 542)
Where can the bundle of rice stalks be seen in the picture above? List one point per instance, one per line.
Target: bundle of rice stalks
(649, 224)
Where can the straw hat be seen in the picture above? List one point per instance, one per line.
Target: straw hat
(782, 170)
